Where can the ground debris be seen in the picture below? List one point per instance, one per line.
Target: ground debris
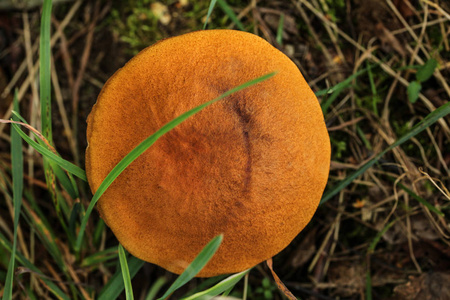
(428, 286)
(388, 40)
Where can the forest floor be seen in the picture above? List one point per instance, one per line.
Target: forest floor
(378, 67)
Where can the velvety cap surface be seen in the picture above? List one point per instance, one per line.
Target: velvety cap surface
(252, 166)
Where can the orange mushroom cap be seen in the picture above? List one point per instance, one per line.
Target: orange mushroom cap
(252, 167)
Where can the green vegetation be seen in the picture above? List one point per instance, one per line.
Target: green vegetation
(383, 88)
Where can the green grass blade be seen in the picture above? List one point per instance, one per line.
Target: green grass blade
(17, 177)
(377, 238)
(370, 251)
(144, 145)
(98, 230)
(208, 15)
(279, 37)
(156, 286)
(336, 90)
(197, 264)
(66, 165)
(219, 288)
(37, 220)
(368, 285)
(125, 274)
(66, 180)
(52, 287)
(341, 85)
(45, 71)
(205, 284)
(429, 120)
(73, 218)
(99, 257)
(115, 285)
(363, 137)
(230, 13)
(421, 200)
(45, 95)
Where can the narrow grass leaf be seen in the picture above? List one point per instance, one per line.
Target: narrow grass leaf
(98, 231)
(144, 145)
(370, 250)
(230, 13)
(362, 136)
(64, 180)
(373, 89)
(17, 178)
(210, 10)
(421, 200)
(45, 71)
(70, 234)
(51, 286)
(125, 274)
(115, 285)
(205, 284)
(336, 90)
(36, 219)
(219, 288)
(46, 236)
(155, 288)
(280, 29)
(377, 238)
(73, 218)
(66, 165)
(68, 183)
(45, 95)
(99, 257)
(429, 120)
(196, 266)
(368, 285)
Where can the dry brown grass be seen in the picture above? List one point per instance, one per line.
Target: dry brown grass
(375, 238)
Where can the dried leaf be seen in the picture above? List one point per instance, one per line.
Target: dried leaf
(429, 286)
(348, 279)
(280, 284)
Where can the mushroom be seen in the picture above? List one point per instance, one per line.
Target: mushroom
(252, 167)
